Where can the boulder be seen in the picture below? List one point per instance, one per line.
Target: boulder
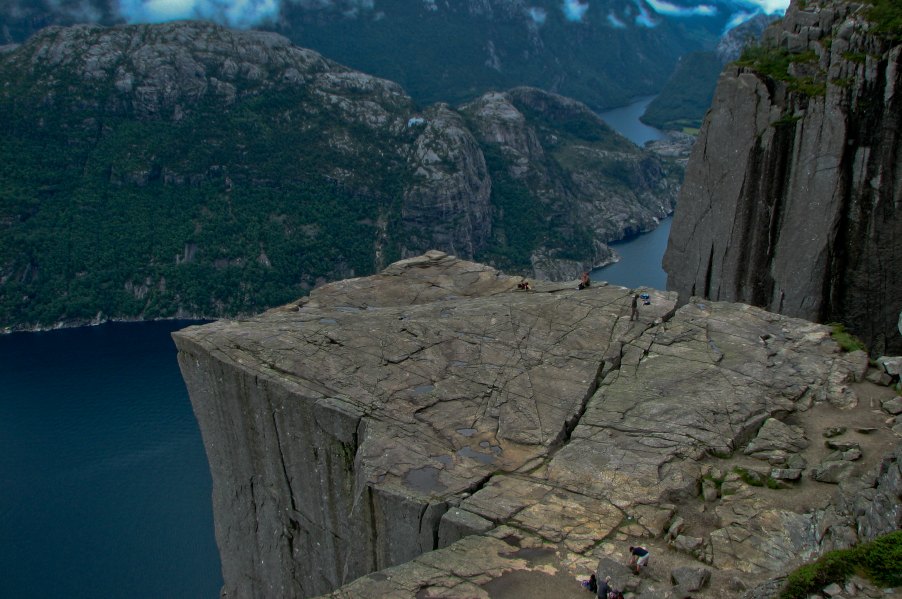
(622, 577)
(690, 578)
(786, 473)
(841, 445)
(892, 365)
(893, 406)
(879, 377)
(832, 472)
(776, 438)
(834, 431)
(694, 546)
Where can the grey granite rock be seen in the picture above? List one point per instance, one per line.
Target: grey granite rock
(832, 471)
(892, 365)
(841, 445)
(786, 473)
(367, 426)
(834, 431)
(893, 406)
(776, 438)
(691, 579)
(768, 214)
(622, 577)
(879, 377)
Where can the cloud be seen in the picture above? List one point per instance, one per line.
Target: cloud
(235, 13)
(615, 21)
(538, 15)
(737, 19)
(768, 7)
(574, 10)
(644, 18)
(662, 7)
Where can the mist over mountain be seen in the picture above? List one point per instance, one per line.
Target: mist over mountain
(602, 52)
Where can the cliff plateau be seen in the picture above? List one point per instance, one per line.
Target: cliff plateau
(791, 197)
(186, 169)
(438, 432)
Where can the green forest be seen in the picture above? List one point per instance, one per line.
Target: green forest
(211, 215)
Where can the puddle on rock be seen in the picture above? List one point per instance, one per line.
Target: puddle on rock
(468, 452)
(424, 479)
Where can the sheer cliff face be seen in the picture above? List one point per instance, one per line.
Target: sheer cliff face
(791, 197)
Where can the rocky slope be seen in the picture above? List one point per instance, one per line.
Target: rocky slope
(452, 436)
(791, 195)
(183, 168)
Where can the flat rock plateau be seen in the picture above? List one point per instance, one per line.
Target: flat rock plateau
(432, 431)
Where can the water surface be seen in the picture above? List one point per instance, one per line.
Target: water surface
(640, 260)
(105, 483)
(625, 121)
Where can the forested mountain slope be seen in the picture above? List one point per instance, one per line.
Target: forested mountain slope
(187, 169)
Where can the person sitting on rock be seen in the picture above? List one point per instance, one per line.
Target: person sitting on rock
(591, 585)
(524, 284)
(639, 558)
(584, 281)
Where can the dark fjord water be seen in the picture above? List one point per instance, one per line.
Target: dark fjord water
(625, 121)
(105, 483)
(640, 261)
(640, 257)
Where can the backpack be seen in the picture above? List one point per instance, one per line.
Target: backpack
(615, 595)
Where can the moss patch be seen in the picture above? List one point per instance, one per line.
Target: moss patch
(846, 340)
(879, 561)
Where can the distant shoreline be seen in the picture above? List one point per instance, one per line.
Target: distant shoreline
(79, 324)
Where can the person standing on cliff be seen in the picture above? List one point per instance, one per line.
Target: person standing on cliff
(634, 307)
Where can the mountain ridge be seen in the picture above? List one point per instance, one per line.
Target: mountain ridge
(236, 171)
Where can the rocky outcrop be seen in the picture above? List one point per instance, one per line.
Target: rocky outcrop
(441, 433)
(791, 195)
(184, 157)
(448, 203)
(606, 190)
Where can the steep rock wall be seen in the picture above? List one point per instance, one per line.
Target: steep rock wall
(441, 432)
(791, 197)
